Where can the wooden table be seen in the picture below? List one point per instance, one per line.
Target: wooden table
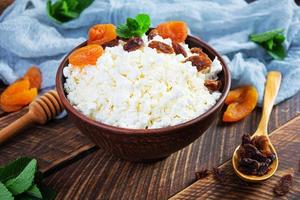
(77, 169)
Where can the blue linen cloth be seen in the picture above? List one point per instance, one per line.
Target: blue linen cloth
(28, 37)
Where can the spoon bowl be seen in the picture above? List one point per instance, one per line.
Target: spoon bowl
(271, 90)
(253, 178)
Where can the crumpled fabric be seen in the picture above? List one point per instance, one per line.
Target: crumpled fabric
(29, 37)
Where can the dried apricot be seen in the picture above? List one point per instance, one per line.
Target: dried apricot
(34, 76)
(17, 95)
(176, 30)
(6, 108)
(23, 98)
(241, 102)
(87, 55)
(102, 33)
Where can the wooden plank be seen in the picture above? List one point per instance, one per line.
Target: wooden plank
(287, 142)
(102, 176)
(53, 144)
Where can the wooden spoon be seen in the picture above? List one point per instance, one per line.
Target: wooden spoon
(40, 111)
(271, 90)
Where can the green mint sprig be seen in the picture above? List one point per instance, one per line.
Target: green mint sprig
(134, 26)
(272, 42)
(18, 180)
(66, 10)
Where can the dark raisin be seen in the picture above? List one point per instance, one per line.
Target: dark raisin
(263, 169)
(272, 157)
(152, 34)
(218, 174)
(202, 174)
(262, 144)
(161, 47)
(112, 43)
(133, 44)
(212, 85)
(252, 152)
(196, 50)
(284, 185)
(249, 166)
(200, 62)
(179, 49)
(246, 139)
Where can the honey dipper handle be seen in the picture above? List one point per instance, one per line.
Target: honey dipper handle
(271, 90)
(15, 127)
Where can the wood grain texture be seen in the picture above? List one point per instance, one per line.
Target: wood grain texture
(102, 176)
(287, 141)
(53, 144)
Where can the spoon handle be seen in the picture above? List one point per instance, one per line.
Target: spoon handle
(271, 90)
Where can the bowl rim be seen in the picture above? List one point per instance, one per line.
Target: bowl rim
(132, 131)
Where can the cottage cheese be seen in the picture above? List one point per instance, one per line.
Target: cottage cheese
(140, 89)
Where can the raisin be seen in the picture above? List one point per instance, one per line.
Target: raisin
(284, 185)
(218, 174)
(161, 47)
(200, 62)
(202, 174)
(246, 139)
(212, 85)
(249, 166)
(111, 43)
(252, 152)
(152, 34)
(263, 169)
(178, 49)
(196, 50)
(133, 44)
(252, 159)
(262, 144)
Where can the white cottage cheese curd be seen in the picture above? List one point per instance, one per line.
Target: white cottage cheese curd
(140, 89)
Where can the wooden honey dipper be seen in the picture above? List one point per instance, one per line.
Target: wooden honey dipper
(40, 111)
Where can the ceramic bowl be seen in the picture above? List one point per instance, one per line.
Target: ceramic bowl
(146, 144)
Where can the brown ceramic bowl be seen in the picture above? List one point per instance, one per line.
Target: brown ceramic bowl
(146, 144)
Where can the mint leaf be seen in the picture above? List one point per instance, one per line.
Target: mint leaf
(13, 169)
(134, 27)
(66, 10)
(272, 42)
(132, 24)
(24, 180)
(123, 31)
(144, 22)
(263, 37)
(4, 193)
(34, 191)
(277, 52)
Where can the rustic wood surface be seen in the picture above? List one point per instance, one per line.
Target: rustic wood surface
(286, 140)
(53, 144)
(76, 169)
(102, 176)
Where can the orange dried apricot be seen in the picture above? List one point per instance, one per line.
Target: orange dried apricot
(87, 55)
(34, 76)
(242, 102)
(23, 98)
(101, 33)
(21, 92)
(7, 108)
(176, 30)
(17, 95)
